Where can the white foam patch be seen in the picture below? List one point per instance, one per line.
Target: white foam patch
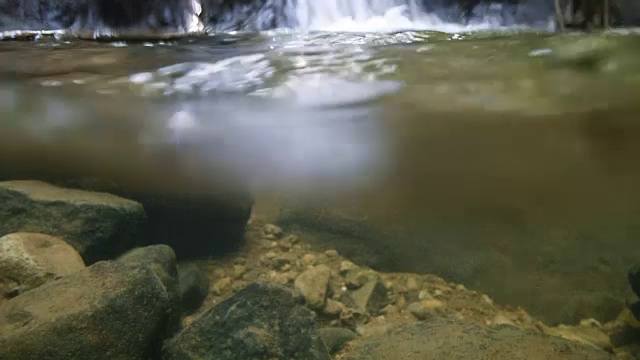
(376, 16)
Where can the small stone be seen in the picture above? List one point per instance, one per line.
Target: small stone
(460, 287)
(291, 239)
(501, 320)
(333, 307)
(412, 283)
(313, 284)
(284, 246)
(487, 299)
(371, 297)
(352, 318)
(285, 267)
(221, 285)
(331, 253)
(277, 278)
(194, 287)
(432, 304)
(390, 309)
(424, 295)
(336, 338)
(418, 310)
(355, 279)
(376, 327)
(309, 259)
(346, 266)
(239, 270)
(271, 229)
(437, 293)
(401, 302)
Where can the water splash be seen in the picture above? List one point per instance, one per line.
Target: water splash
(402, 15)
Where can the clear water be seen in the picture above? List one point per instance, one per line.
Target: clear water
(505, 160)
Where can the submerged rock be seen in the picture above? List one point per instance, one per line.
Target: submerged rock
(336, 338)
(313, 285)
(449, 339)
(111, 310)
(195, 221)
(259, 322)
(99, 226)
(29, 260)
(194, 287)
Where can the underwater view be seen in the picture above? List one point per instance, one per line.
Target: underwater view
(319, 179)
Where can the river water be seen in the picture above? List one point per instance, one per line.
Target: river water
(501, 157)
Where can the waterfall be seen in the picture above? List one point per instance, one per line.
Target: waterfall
(395, 15)
(370, 15)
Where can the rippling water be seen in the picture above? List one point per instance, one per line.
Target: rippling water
(503, 160)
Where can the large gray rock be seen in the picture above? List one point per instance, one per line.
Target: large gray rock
(29, 260)
(259, 322)
(99, 226)
(451, 339)
(149, 17)
(197, 220)
(112, 310)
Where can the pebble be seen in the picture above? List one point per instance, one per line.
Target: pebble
(376, 327)
(422, 309)
(412, 283)
(501, 320)
(487, 299)
(312, 285)
(331, 253)
(221, 285)
(336, 338)
(271, 229)
(309, 259)
(418, 310)
(219, 273)
(390, 309)
(291, 239)
(333, 307)
(371, 297)
(424, 295)
(346, 266)
(239, 270)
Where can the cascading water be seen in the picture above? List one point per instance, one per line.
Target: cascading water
(359, 15)
(397, 15)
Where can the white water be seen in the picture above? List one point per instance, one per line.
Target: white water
(382, 16)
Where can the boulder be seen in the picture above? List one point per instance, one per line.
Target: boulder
(444, 338)
(29, 260)
(148, 18)
(112, 310)
(98, 225)
(258, 322)
(197, 220)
